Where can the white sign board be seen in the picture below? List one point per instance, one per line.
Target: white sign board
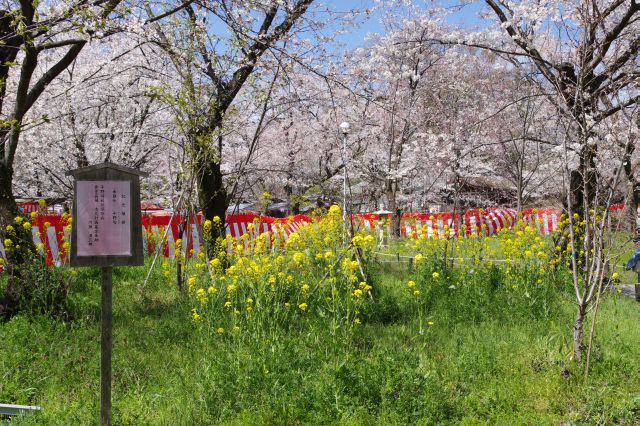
(103, 218)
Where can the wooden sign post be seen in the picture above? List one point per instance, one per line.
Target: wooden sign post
(107, 232)
(637, 270)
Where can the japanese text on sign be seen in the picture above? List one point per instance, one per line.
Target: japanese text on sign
(103, 218)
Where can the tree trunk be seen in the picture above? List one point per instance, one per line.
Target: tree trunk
(390, 192)
(577, 332)
(8, 212)
(576, 193)
(634, 194)
(213, 198)
(629, 219)
(581, 179)
(456, 207)
(582, 191)
(8, 206)
(396, 219)
(519, 190)
(10, 296)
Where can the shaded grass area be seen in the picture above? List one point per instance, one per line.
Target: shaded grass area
(498, 369)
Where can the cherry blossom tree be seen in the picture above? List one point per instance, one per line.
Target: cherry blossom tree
(299, 155)
(213, 66)
(392, 75)
(39, 41)
(103, 111)
(522, 146)
(584, 54)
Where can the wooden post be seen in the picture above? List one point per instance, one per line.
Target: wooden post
(105, 348)
(411, 264)
(398, 257)
(636, 268)
(113, 238)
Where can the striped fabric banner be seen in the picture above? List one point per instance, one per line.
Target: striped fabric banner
(475, 222)
(50, 232)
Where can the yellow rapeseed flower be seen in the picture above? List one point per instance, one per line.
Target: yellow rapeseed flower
(299, 257)
(195, 315)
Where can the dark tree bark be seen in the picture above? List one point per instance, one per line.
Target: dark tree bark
(633, 192)
(391, 189)
(8, 207)
(213, 196)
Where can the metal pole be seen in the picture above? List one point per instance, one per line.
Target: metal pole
(344, 179)
(105, 348)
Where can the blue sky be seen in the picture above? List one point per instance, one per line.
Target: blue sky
(355, 37)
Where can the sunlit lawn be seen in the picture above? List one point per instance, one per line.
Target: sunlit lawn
(504, 368)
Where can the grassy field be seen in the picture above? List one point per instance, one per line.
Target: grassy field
(456, 361)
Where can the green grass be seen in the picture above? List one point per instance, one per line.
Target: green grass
(490, 364)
